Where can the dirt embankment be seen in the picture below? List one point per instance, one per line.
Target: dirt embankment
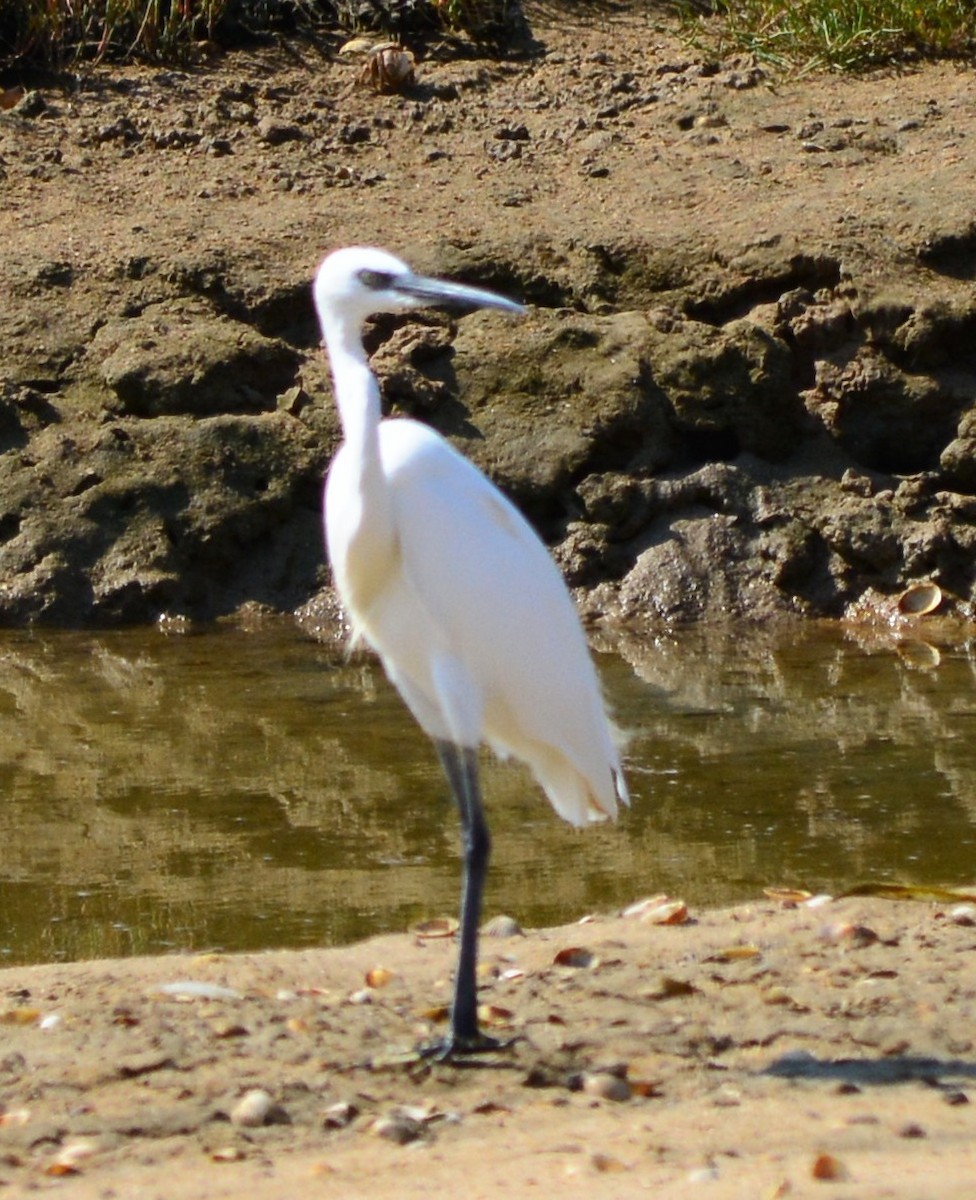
(745, 386)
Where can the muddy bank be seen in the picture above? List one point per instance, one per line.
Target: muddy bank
(745, 386)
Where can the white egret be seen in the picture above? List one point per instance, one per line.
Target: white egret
(456, 593)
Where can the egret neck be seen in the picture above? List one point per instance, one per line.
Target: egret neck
(370, 550)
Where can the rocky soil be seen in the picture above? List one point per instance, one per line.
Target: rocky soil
(745, 385)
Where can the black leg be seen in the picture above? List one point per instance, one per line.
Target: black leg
(460, 765)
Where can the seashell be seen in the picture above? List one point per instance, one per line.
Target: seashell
(388, 68)
(743, 950)
(194, 989)
(423, 1114)
(495, 1014)
(20, 1016)
(397, 1128)
(671, 912)
(437, 1013)
(575, 956)
(963, 914)
(11, 96)
(379, 977)
(639, 907)
(436, 927)
(920, 599)
(787, 896)
(71, 1156)
(339, 1115)
(501, 926)
(857, 936)
(606, 1086)
(227, 1154)
(356, 45)
(919, 655)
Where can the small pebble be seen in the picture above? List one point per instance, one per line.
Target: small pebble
(275, 132)
(606, 1163)
(397, 1128)
(963, 914)
(605, 1086)
(339, 1115)
(252, 1109)
(227, 1154)
(857, 936)
(31, 104)
(825, 1166)
(911, 1130)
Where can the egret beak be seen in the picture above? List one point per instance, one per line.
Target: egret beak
(437, 291)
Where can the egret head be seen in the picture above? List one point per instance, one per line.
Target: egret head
(354, 283)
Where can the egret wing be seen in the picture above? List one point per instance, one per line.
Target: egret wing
(484, 589)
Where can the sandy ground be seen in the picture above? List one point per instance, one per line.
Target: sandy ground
(767, 1050)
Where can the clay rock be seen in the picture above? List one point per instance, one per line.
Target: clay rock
(884, 418)
(541, 400)
(731, 388)
(139, 518)
(181, 357)
(958, 460)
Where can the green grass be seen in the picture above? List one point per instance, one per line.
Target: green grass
(849, 35)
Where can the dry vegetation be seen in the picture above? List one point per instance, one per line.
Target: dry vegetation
(56, 33)
(811, 34)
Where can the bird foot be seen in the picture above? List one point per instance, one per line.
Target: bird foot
(454, 1047)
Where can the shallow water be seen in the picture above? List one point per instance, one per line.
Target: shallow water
(245, 790)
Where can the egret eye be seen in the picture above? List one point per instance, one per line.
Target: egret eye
(377, 281)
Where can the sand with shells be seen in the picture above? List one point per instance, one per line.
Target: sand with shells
(770, 1050)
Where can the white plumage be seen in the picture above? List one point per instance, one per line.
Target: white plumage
(452, 588)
